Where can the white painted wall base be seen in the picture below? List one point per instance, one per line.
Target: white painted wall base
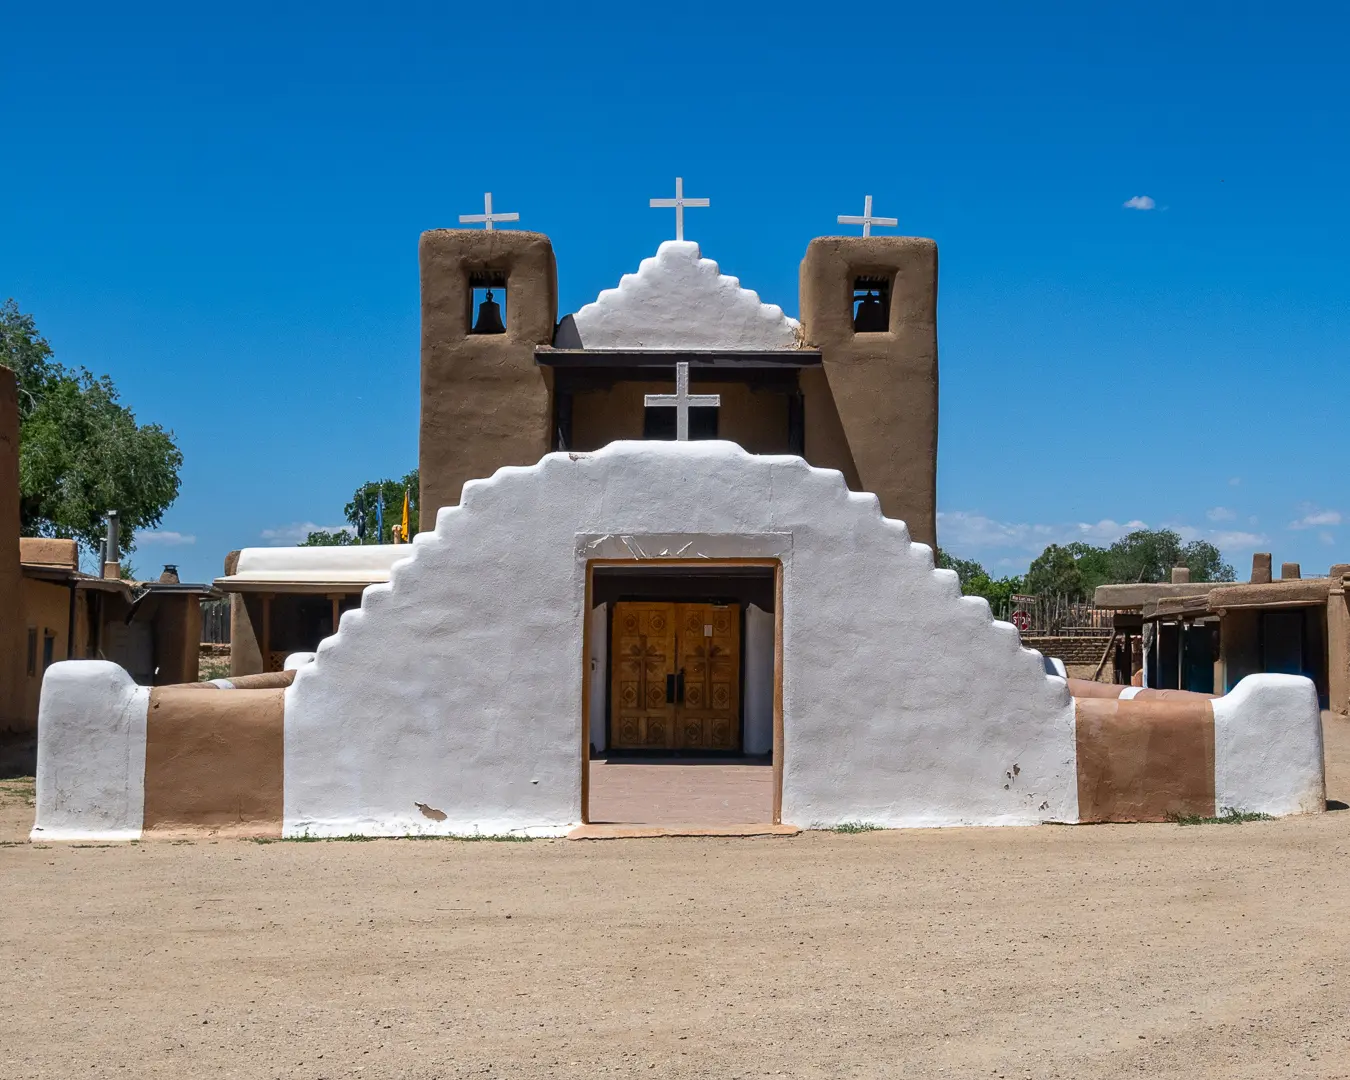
(1268, 747)
(91, 753)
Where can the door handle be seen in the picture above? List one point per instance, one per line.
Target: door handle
(679, 687)
(670, 689)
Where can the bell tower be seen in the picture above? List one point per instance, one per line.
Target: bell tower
(489, 297)
(869, 303)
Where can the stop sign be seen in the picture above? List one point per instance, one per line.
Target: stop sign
(1022, 620)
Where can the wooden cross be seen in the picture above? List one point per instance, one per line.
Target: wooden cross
(487, 217)
(679, 202)
(683, 401)
(867, 220)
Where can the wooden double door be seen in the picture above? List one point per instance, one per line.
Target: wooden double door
(675, 676)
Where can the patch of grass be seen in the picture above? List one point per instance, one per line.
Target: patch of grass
(13, 843)
(855, 827)
(81, 847)
(1228, 816)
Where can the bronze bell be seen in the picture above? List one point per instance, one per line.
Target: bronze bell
(489, 317)
(871, 317)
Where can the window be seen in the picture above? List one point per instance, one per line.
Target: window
(658, 422)
(32, 651)
(487, 292)
(48, 648)
(871, 304)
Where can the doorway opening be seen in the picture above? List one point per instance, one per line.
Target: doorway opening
(682, 693)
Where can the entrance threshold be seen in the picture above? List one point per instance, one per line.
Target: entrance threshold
(644, 832)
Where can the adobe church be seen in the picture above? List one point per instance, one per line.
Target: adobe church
(675, 521)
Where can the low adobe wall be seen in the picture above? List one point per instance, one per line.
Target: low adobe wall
(450, 702)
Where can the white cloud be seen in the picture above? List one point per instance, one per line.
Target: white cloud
(295, 533)
(1236, 539)
(1140, 202)
(166, 537)
(1220, 513)
(959, 531)
(1234, 481)
(1326, 537)
(1313, 517)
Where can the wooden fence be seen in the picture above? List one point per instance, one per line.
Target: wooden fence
(216, 622)
(1058, 615)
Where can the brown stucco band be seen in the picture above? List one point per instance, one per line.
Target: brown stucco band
(1086, 688)
(266, 680)
(214, 762)
(1144, 760)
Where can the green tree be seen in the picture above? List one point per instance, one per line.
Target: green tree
(1150, 554)
(81, 452)
(329, 538)
(1094, 565)
(362, 513)
(1055, 572)
(976, 581)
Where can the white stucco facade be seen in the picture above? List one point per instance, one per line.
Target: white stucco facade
(91, 753)
(451, 700)
(680, 300)
(1268, 747)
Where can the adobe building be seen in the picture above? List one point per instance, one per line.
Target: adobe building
(852, 387)
(740, 568)
(151, 629)
(1209, 636)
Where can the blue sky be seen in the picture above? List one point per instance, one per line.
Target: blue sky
(220, 208)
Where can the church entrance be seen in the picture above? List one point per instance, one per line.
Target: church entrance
(682, 677)
(675, 681)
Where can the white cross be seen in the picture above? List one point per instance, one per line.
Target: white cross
(487, 217)
(679, 202)
(867, 220)
(682, 400)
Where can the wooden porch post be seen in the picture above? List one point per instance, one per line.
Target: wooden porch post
(267, 631)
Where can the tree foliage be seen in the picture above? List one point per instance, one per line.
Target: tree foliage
(363, 514)
(81, 452)
(1073, 571)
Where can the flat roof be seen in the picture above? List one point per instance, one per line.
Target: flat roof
(547, 356)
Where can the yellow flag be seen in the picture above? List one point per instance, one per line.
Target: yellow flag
(406, 537)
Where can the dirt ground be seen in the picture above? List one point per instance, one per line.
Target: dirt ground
(1106, 951)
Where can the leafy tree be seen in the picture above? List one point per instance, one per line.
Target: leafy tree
(966, 569)
(329, 538)
(81, 452)
(1094, 565)
(363, 511)
(1055, 572)
(1150, 554)
(976, 581)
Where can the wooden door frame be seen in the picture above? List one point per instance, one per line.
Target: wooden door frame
(776, 565)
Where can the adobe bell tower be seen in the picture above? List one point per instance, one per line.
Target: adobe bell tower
(489, 297)
(869, 303)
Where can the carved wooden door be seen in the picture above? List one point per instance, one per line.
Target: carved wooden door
(708, 677)
(643, 680)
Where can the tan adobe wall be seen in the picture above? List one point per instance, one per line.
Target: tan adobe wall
(46, 610)
(756, 419)
(879, 391)
(485, 403)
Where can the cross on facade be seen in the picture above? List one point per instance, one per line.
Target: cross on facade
(679, 202)
(487, 217)
(867, 220)
(682, 400)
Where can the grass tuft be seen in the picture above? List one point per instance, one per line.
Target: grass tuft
(357, 838)
(1228, 816)
(855, 827)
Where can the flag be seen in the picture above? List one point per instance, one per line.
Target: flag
(379, 518)
(404, 534)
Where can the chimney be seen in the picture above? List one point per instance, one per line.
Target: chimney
(112, 565)
(1261, 568)
(1290, 571)
(170, 575)
(1181, 575)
